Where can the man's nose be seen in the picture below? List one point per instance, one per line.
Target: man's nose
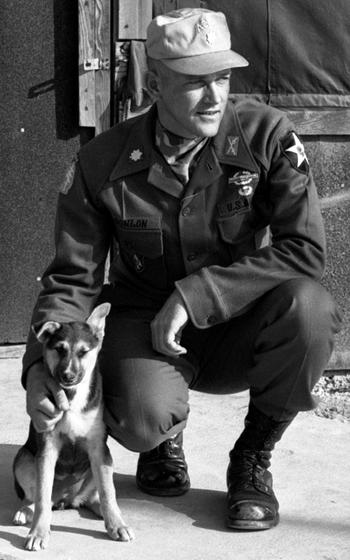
(212, 93)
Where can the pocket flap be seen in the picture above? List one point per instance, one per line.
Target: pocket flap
(141, 235)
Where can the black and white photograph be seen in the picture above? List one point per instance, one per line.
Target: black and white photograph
(175, 279)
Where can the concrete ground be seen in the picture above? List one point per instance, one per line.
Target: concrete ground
(312, 481)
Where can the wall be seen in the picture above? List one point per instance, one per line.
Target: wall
(38, 137)
(329, 158)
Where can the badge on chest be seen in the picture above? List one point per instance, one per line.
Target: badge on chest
(239, 192)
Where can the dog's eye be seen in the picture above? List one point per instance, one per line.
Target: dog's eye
(82, 352)
(60, 350)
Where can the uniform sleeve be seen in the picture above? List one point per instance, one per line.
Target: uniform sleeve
(73, 281)
(216, 294)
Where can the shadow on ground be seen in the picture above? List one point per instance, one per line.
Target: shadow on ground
(200, 505)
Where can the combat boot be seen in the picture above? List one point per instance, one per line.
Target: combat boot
(251, 502)
(163, 470)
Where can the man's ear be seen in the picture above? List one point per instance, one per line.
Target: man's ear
(153, 84)
(45, 331)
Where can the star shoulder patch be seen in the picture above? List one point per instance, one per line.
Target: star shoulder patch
(294, 150)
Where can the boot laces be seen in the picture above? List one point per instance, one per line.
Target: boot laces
(248, 469)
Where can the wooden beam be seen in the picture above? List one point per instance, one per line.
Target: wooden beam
(315, 121)
(86, 52)
(339, 363)
(94, 64)
(332, 122)
(103, 74)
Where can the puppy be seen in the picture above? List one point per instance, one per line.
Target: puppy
(71, 465)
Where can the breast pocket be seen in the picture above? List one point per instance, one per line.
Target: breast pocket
(235, 229)
(141, 248)
(238, 236)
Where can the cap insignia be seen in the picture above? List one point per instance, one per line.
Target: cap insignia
(203, 27)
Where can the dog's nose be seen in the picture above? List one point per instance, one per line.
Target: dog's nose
(68, 376)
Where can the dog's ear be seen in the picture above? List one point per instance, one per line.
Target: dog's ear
(44, 331)
(97, 318)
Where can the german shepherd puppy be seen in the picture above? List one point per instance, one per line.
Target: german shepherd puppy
(71, 465)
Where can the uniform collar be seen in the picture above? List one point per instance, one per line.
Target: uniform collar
(230, 145)
(137, 153)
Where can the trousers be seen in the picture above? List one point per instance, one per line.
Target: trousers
(278, 350)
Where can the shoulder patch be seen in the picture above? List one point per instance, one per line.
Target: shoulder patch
(294, 150)
(68, 179)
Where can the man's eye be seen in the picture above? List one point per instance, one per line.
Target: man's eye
(223, 80)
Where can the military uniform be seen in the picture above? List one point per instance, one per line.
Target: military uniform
(238, 241)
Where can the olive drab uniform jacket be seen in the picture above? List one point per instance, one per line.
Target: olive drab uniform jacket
(248, 220)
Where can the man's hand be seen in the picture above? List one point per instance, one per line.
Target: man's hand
(46, 400)
(167, 326)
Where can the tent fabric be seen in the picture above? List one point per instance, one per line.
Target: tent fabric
(299, 51)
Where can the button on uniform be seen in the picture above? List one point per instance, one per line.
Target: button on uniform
(194, 217)
(211, 319)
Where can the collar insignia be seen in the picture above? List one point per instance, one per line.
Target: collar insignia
(158, 168)
(136, 155)
(231, 148)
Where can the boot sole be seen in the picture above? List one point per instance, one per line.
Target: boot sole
(164, 492)
(251, 525)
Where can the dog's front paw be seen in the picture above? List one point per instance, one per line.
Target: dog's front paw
(37, 539)
(119, 532)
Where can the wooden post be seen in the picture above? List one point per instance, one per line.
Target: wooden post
(94, 64)
(103, 74)
(133, 18)
(86, 52)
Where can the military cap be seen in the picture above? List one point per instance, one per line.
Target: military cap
(192, 41)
